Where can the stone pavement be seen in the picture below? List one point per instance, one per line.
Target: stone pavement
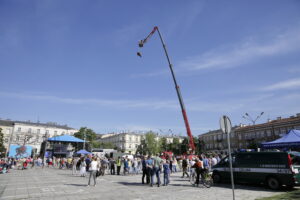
(61, 184)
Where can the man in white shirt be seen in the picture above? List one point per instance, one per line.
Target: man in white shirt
(214, 161)
(93, 170)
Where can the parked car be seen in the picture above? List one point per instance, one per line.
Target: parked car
(271, 168)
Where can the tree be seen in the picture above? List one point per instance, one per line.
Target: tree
(184, 147)
(103, 145)
(2, 148)
(87, 134)
(142, 148)
(163, 144)
(149, 145)
(175, 146)
(199, 146)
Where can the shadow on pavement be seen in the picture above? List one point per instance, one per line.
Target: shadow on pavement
(132, 183)
(80, 185)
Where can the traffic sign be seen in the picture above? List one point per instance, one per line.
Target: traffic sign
(225, 124)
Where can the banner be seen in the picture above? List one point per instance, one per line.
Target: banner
(18, 151)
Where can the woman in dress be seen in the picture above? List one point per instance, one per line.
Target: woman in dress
(82, 167)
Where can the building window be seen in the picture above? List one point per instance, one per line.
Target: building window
(47, 131)
(130, 139)
(129, 146)
(63, 133)
(38, 131)
(29, 130)
(136, 146)
(55, 133)
(19, 129)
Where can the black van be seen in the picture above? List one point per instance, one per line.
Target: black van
(271, 168)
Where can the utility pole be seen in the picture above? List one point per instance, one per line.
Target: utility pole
(84, 133)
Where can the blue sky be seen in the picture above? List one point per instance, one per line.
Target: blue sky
(74, 62)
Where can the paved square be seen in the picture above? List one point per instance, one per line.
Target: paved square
(56, 184)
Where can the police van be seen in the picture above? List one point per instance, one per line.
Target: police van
(271, 168)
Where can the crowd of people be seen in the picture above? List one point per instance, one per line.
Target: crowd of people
(150, 167)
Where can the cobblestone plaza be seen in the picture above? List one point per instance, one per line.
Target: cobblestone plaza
(57, 184)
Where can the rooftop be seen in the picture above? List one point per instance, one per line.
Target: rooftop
(48, 124)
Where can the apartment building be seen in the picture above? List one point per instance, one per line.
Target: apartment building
(249, 136)
(129, 142)
(254, 135)
(31, 133)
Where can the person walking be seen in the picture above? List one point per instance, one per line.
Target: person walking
(74, 166)
(149, 166)
(93, 170)
(145, 172)
(171, 165)
(199, 170)
(112, 163)
(184, 167)
(135, 166)
(88, 162)
(174, 165)
(192, 170)
(166, 167)
(157, 162)
(126, 166)
(119, 163)
(82, 167)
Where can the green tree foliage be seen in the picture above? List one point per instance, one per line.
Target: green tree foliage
(184, 146)
(163, 144)
(103, 145)
(88, 134)
(142, 148)
(2, 148)
(175, 146)
(149, 144)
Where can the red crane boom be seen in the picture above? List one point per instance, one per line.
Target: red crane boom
(185, 118)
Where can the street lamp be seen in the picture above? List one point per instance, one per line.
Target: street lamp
(248, 117)
(84, 133)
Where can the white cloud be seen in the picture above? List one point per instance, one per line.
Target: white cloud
(294, 69)
(153, 104)
(244, 52)
(288, 84)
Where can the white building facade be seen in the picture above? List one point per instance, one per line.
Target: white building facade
(30, 133)
(129, 142)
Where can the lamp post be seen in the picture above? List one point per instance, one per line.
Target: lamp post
(249, 118)
(84, 133)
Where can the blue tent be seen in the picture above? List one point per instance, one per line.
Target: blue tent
(65, 138)
(291, 139)
(83, 151)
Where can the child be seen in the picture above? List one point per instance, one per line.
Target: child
(166, 167)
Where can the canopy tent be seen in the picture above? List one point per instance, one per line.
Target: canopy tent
(65, 138)
(291, 139)
(83, 151)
